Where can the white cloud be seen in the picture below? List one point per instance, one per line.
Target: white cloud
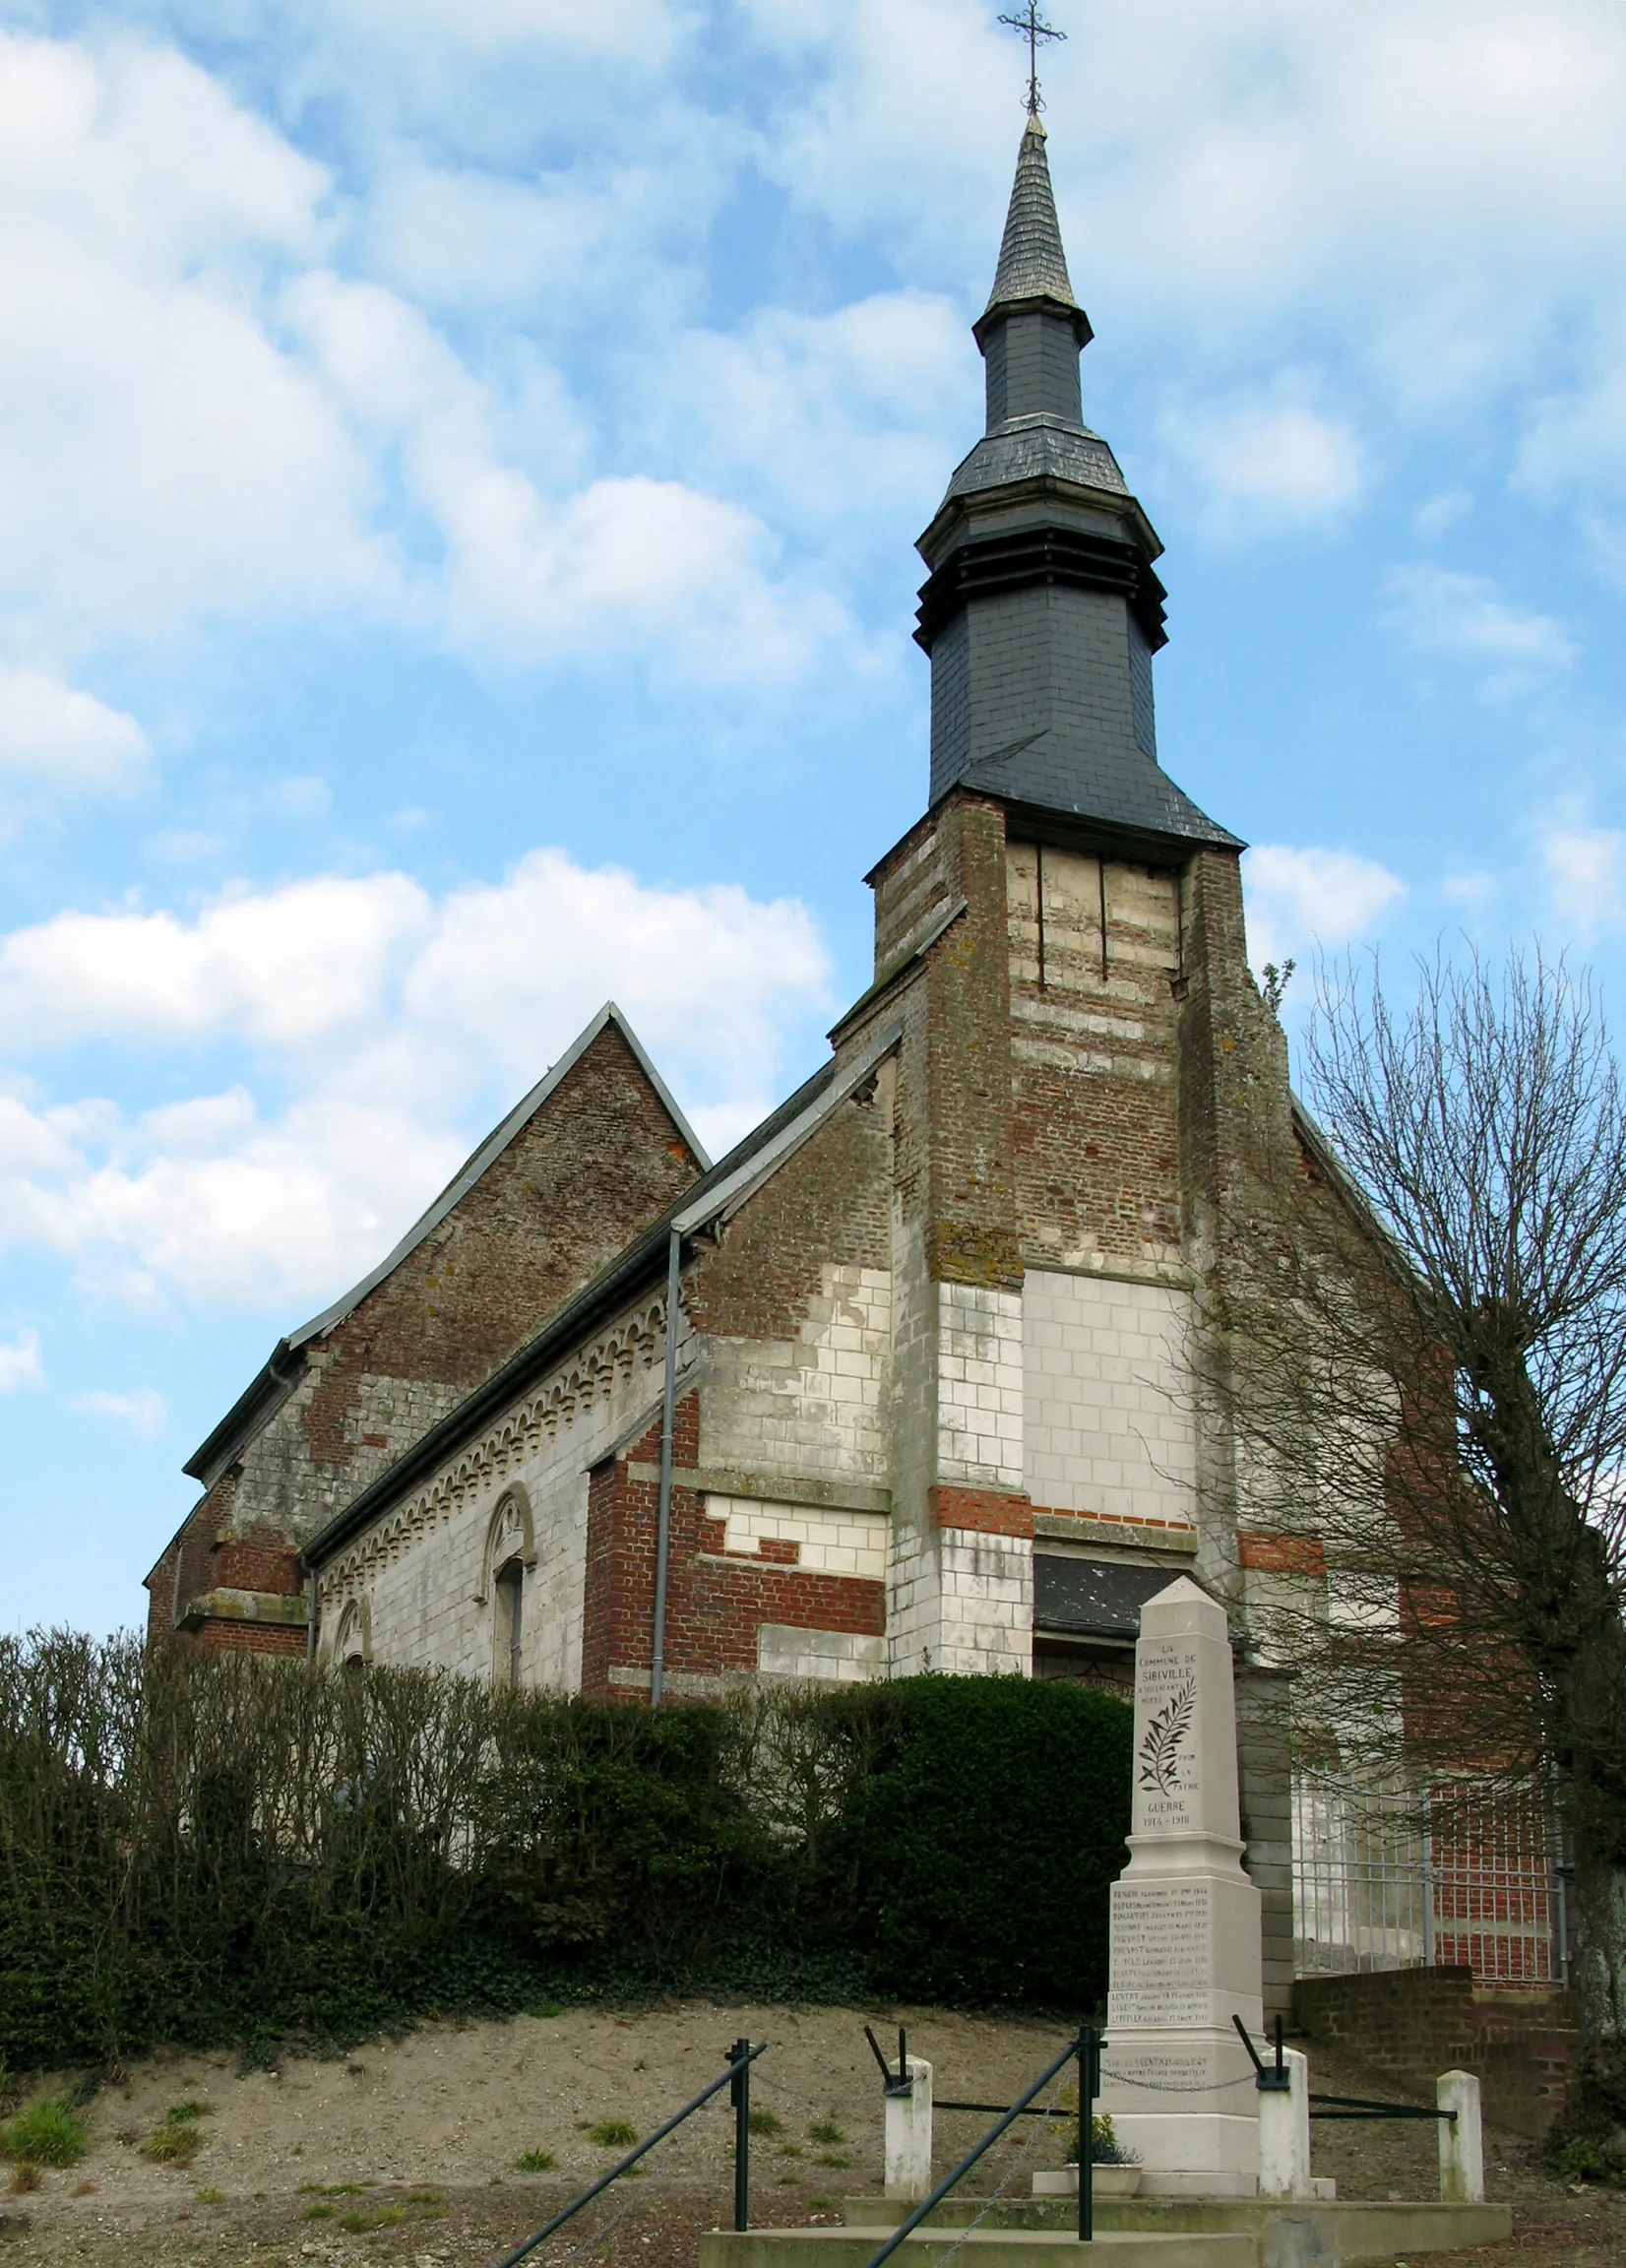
(1466, 618)
(391, 1021)
(1265, 464)
(887, 388)
(1439, 514)
(161, 457)
(1300, 898)
(20, 1363)
(60, 738)
(144, 1410)
(1586, 869)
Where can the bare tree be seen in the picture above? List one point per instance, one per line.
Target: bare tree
(1417, 1338)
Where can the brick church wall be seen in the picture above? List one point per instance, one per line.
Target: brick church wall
(598, 1161)
(1094, 1060)
(421, 1566)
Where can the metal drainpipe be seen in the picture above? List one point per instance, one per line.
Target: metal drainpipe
(663, 1533)
(310, 1625)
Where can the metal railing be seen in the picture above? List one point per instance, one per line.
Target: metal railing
(1274, 2079)
(737, 2077)
(1387, 1878)
(1085, 2046)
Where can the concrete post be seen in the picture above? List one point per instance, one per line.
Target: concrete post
(908, 2136)
(1462, 2140)
(1284, 2132)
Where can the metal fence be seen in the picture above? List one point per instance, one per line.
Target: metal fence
(1462, 1874)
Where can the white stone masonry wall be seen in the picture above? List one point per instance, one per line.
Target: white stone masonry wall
(420, 1569)
(1108, 1426)
(808, 1406)
(980, 1386)
(829, 1541)
(987, 1610)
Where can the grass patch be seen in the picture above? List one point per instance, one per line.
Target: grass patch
(765, 2122)
(26, 2176)
(790, 2149)
(211, 2196)
(332, 2189)
(545, 2008)
(827, 2131)
(832, 2158)
(376, 2217)
(46, 2132)
(818, 2204)
(319, 2213)
(534, 2162)
(174, 2146)
(612, 2134)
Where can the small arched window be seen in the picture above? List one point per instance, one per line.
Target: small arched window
(508, 1589)
(352, 1644)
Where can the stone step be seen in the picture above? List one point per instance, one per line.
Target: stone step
(1278, 2235)
(979, 2249)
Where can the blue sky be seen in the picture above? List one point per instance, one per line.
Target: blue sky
(458, 468)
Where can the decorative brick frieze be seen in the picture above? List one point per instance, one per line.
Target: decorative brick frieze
(630, 1349)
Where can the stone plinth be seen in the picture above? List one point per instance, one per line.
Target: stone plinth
(1185, 1946)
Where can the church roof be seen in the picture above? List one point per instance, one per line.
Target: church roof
(1032, 264)
(287, 1357)
(718, 1191)
(1123, 793)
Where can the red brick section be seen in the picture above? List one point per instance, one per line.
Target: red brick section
(1280, 1555)
(1415, 2023)
(987, 1511)
(714, 1604)
(224, 1637)
(259, 1563)
(596, 1163)
(1097, 1133)
(829, 1204)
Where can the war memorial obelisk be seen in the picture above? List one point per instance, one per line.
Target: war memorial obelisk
(1185, 1951)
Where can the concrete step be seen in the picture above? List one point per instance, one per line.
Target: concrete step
(978, 2248)
(1316, 2235)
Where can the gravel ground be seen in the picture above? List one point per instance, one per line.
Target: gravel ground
(403, 2155)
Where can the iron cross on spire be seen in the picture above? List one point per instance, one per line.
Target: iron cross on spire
(1033, 29)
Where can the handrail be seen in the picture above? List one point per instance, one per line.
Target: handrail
(736, 2075)
(1085, 2046)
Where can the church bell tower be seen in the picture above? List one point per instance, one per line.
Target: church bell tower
(1043, 608)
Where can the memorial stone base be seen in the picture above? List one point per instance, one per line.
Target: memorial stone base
(1185, 1931)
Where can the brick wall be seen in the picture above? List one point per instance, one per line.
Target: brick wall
(598, 1161)
(1415, 2023)
(1094, 1059)
(422, 1567)
(717, 1599)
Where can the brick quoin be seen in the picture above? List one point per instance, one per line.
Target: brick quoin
(1280, 1555)
(985, 1511)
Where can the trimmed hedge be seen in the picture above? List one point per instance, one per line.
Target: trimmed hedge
(241, 1850)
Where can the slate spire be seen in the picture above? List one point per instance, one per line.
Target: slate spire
(1032, 264)
(1044, 609)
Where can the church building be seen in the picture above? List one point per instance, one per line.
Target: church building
(905, 1380)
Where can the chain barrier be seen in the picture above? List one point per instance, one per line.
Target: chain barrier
(1177, 2086)
(1008, 2177)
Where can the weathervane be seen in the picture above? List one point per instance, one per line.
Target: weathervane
(1033, 29)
